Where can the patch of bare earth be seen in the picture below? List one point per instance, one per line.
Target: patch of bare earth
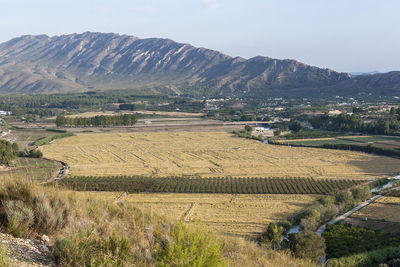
(26, 252)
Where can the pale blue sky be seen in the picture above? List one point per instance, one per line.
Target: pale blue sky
(344, 35)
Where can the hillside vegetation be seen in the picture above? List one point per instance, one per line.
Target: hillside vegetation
(87, 230)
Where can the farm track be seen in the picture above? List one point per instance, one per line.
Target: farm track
(189, 212)
(342, 217)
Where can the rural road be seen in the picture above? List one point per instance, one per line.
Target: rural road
(347, 214)
(322, 228)
(362, 205)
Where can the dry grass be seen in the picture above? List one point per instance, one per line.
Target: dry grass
(208, 154)
(233, 215)
(96, 218)
(238, 251)
(385, 208)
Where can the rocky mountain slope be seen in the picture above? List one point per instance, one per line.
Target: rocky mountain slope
(387, 84)
(89, 61)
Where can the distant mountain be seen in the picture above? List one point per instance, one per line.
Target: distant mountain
(353, 74)
(90, 61)
(387, 84)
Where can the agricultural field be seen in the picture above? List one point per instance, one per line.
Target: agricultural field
(384, 209)
(379, 141)
(31, 168)
(205, 154)
(25, 137)
(237, 215)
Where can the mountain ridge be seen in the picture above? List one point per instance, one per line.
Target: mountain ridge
(100, 61)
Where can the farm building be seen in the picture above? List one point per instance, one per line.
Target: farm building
(5, 113)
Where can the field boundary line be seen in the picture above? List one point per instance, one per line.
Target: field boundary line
(189, 212)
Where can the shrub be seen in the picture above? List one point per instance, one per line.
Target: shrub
(50, 214)
(89, 249)
(17, 190)
(248, 128)
(361, 193)
(19, 218)
(24, 207)
(190, 247)
(34, 153)
(309, 223)
(308, 245)
(273, 234)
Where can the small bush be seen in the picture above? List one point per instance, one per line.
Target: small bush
(25, 207)
(88, 249)
(19, 218)
(50, 214)
(34, 153)
(190, 247)
(17, 190)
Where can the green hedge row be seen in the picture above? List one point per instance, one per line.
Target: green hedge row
(48, 139)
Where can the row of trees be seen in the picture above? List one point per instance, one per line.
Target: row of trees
(97, 121)
(209, 185)
(8, 152)
(331, 206)
(354, 123)
(307, 244)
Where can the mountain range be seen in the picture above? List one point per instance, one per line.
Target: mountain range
(101, 61)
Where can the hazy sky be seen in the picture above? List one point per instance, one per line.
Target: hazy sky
(345, 35)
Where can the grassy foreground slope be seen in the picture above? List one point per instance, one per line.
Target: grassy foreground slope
(92, 230)
(208, 154)
(226, 214)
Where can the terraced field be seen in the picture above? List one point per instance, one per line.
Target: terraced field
(35, 169)
(235, 215)
(208, 154)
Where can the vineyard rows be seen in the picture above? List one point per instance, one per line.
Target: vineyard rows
(229, 185)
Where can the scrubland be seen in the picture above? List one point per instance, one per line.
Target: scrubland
(89, 229)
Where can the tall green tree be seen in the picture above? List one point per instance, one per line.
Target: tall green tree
(308, 245)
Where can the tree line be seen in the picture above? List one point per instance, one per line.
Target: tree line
(97, 121)
(354, 123)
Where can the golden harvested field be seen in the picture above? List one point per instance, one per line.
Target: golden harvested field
(208, 154)
(385, 208)
(236, 215)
